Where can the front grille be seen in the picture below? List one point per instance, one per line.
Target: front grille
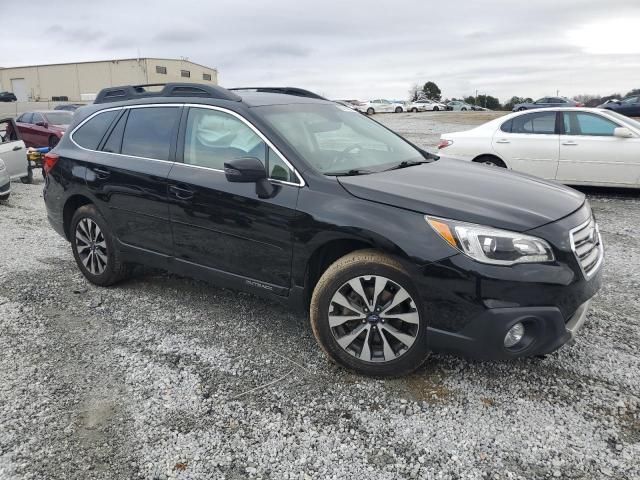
(586, 244)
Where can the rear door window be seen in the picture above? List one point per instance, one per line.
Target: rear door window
(149, 132)
(90, 134)
(538, 123)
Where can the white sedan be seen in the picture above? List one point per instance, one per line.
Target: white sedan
(575, 146)
(380, 106)
(424, 106)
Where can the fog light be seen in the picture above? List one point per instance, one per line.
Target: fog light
(514, 335)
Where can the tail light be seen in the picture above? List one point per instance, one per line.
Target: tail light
(578, 104)
(49, 161)
(444, 144)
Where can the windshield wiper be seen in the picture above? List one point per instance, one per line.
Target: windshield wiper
(407, 163)
(350, 173)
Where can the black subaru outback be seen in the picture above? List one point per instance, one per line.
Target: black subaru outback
(277, 191)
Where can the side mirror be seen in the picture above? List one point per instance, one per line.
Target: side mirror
(623, 132)
(42, 124)
(250, 170)
(244, 170)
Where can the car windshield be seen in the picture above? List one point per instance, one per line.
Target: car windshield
(59, 118)
(624, 118)
(338, 140)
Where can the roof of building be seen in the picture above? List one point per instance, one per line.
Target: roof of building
(115, 60)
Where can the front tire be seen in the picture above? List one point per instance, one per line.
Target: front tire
(370, 111)
(435, 109)
(94, 248)
(367, 316)
(4, 198)
(414, 110)
(521, 109)
(398, 110)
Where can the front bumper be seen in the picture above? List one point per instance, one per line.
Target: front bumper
(470, 306)
(546, 330)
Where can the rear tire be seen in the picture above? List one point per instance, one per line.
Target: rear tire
(370, 111)
(435, 109)
(364, 343)
(414, 110)
(94, 248)
(4, 198)
(463, 109)
(521, 109)
(490, 161)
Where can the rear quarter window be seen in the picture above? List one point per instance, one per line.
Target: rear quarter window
(90, 134)
(506, 126)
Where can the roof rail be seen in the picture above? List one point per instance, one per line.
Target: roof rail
(298, 92)
(131, 92)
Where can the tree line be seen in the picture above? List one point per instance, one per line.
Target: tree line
(431, 91)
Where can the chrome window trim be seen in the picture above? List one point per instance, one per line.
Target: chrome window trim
(301, 182)
(596, 267)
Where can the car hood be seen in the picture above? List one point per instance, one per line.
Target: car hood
(469, 192)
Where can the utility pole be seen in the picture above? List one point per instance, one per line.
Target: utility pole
(476, 96)
(557, 93)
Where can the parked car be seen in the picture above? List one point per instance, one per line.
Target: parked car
(7, 97)
(381, 106)
(459, 105)
(629, 106)
(69, 107)
(546, 102)
(392, 251)
(5, 182)
(43, 128)
(576, 146)
(13, 152)
(424, 106)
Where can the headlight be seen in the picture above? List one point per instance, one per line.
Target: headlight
(490, 245)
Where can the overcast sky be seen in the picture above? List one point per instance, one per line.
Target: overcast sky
(349, 49)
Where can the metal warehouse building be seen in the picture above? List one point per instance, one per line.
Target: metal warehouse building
(81, 81)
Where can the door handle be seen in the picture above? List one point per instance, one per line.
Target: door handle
(16, 148)
(569, 143)
(101, 174)
(503, 140)
(181, 193)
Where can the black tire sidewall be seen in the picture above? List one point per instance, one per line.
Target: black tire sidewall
(370, 111)
(406, 363)
(110, 274)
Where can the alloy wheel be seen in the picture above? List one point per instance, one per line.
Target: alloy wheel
(91, 246)
(373, 318)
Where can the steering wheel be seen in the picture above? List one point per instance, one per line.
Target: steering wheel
(340, 157)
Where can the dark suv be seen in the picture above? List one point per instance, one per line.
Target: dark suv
(393, 251)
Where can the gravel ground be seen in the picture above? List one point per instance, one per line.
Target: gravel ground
(164, 377)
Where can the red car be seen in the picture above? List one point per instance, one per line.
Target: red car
(43, 128)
